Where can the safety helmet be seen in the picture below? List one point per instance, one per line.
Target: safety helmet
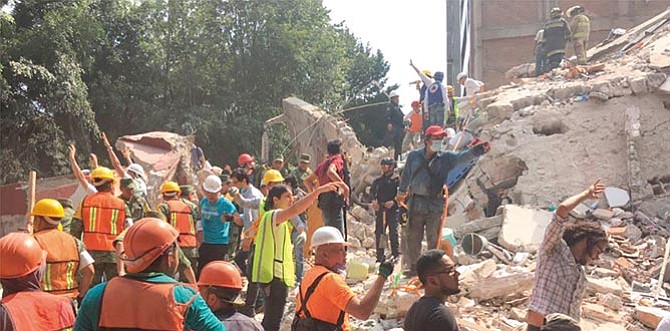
(450, 88)
(461, 76)
(327, 235)
(212, 184)
(435, 131)
(272, 176)
(555, 11)
(439, 76)
(48, 208)
(221, 274)
(102, 173)
(136, 168)
(20, 254)
(388, 161)
(145, 241)
(427, 73)
(244, 159)
(170, 186)
(393, 94)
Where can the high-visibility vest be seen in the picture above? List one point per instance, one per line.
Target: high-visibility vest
(273, 254)
(37, 310)
(181, 217)
(62, 263)
(135, 304)
(104, 216)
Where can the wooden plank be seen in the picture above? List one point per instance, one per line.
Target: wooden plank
(32, 179)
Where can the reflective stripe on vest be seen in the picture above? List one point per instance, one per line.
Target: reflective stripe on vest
(273, 254)
(37, 310)
(582, 29)
(104, 217)
(62, 263)
(181, 217)
(155, 309)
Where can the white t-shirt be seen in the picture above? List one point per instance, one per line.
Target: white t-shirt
(472, 86)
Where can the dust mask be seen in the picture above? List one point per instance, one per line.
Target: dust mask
(436, 145)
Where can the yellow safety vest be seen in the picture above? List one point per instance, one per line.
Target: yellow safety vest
(273, 254)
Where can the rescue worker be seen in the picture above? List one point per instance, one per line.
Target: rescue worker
(556, 34)
(395, 127)
(383, 192)
(136, 203)
(189, 194)
(580, 25)
(66, 255)
(302, 171)
(68, 211)
(99, 219)
(146, 298)
(424, 176)
(471, 85)
(217, 214)
(24, 305)
(220, 284)
(254, 171)
(540, 53)
(428, 81)
(134, 170)
(413, 131)
(278, 164)
(324, 299)
(453, 118)
(182, 216)
(273, 265)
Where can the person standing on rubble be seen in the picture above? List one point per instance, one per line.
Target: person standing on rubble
(99, 218)
(566, 249)
(302, 171)
(556, 34)
(395, 127)
(324, 300)
(437, 272)
(383, 192)
(255, 172)
(421, 184)
(451, 113)
(471, 85)
(217, 215)
(333, 169)
(413, 135)
(540, 53)
(580, 25)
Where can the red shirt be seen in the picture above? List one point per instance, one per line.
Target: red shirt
(322, 169)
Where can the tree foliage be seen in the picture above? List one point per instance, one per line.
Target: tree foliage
(70, 69)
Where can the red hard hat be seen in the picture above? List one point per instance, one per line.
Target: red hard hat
(20, 254)
(220, 274)
(145, 241)
(435, 131)
(244, 159)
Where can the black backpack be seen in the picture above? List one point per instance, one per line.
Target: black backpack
(309, 323)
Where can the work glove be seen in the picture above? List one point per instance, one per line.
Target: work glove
(386, 268)
(479, 147)
(300, 239)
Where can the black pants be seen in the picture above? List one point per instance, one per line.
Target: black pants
(210, 252)
(533, 328)
(540, 57)
(241, 261)
(275, 301)
(254, 299)
(553, 61)
(392, 225)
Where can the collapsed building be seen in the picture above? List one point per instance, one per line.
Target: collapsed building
(550, 137)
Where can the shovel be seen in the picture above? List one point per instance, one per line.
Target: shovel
(383, 238)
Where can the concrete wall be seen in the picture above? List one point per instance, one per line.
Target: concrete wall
(503, 30)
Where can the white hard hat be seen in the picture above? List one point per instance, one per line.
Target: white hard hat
(451, 132)
(212, 184)
(393, 94)
(327, 235)
(136, 168)
(461, 75)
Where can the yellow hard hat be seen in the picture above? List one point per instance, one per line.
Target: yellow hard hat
(170, 186)
(272, 176)
(450, 88)
(48, 208)
(427, 73)
(102, 173)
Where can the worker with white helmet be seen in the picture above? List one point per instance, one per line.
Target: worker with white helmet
(216, 212)
(472, 86)
(324, 297)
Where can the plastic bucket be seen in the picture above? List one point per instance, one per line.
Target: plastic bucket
(473, 244)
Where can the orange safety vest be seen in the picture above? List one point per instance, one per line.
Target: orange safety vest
(155, 309)
(104, 217)
(181, 217)
(37, 310)
(62, 263)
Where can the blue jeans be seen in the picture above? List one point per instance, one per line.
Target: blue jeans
(436, 112)
(333, 217)
(298, 258)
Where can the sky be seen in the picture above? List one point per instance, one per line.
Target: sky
(402, 30)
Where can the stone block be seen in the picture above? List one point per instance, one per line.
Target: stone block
(638, 85)
(665, 87)
(502, 284)
(478, 225)
(523, 229)
(598, 312)
(603, 286)
(472, 274)
(581, 211)
(632, 232)
(655, 80)
(500, 110)
(611, 301)
(649, 316)
(616, 197)
(603, 214)
(603, 273)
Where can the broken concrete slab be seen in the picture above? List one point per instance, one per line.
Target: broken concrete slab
(611, 301)
(503, 283)
(599, 312)
(649, 316)
(472, 274)
(523, 229)
(616, 197)
(603, 286)
(478, 225)
(580, 211)
(603, 214)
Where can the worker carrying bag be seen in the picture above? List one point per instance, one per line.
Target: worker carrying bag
(308, 323)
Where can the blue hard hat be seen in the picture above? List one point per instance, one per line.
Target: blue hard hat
(439, 75)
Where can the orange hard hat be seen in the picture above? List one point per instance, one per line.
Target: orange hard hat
(221, 274)
(244, 158)
(20, 255)
(145, 241)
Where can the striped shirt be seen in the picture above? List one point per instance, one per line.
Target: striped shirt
(559, 279)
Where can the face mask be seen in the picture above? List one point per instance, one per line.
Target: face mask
(436, 145)
(341, 269)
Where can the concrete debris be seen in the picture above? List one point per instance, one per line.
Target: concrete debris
(522, 228)
(603, 214)
(598, 312)
(503, 283)
(611, 301)
(603, 286)
(616, 197)
(649, 316)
